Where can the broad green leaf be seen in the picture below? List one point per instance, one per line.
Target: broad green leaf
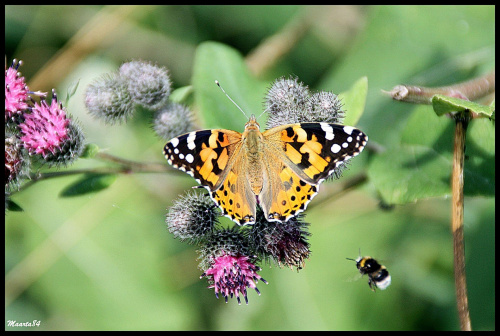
(216, 61)
(407, 173)
(425, 128)
(354, 101)
(89, 183)
(13, 206)
(479, 166)
(182, 95)
(90, 151)
(420, 167)
(444, 104)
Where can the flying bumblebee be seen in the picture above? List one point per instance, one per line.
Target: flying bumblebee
(378, 276)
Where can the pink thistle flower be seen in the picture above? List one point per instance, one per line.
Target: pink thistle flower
(16, 91)
(231, 275)
(45, 129)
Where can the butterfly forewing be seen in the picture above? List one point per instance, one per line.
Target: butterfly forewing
(300, 156)
(205, 155)
(316, 149)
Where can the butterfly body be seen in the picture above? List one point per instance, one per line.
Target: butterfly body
(280, 169)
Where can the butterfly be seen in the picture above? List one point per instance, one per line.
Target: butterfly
(280, 169)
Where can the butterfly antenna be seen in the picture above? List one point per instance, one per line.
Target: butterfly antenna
(239, 108)
(260, 115)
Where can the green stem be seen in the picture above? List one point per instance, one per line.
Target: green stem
(124, 167)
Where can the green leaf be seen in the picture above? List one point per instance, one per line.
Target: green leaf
(444, 104)
(425, 128)
(182, 95)
(90, 151)
(216, 61)
(479, 166)
(420, 167)
(89, 183)
(13, 206)
(71, 91)
(407, 173)
(354, 101)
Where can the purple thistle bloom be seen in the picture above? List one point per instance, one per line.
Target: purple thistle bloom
(231, 275)
(16, 91)
(44, 129)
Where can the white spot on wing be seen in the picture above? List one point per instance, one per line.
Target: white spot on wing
(348, 129)
(190, 140)
(174, 142)
(335, 148)
(189, 158)
(328, 131)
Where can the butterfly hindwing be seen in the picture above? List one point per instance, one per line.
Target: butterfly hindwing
(284, 194)
(235, 196)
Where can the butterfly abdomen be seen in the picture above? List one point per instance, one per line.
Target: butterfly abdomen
(253, 145)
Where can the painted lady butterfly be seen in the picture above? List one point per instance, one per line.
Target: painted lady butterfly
(280, 169)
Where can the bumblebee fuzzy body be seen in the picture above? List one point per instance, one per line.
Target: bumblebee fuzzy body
(378, 276)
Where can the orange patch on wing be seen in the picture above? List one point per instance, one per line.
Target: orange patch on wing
(293, 154)
(223, 159)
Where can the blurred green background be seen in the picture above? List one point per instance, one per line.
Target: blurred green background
(106, 261)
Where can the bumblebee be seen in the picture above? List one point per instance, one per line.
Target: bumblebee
(378, 275)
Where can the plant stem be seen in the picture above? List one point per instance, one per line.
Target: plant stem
(470, 90)
(457, 220)
(338, 190)
(272, 49)
(126, 167)
(135, 167)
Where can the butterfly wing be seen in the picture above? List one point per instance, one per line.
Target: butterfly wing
(235, 196)
(283, 194)
(205, 155)
(305, 154)
(211, 157)
(314, 150)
